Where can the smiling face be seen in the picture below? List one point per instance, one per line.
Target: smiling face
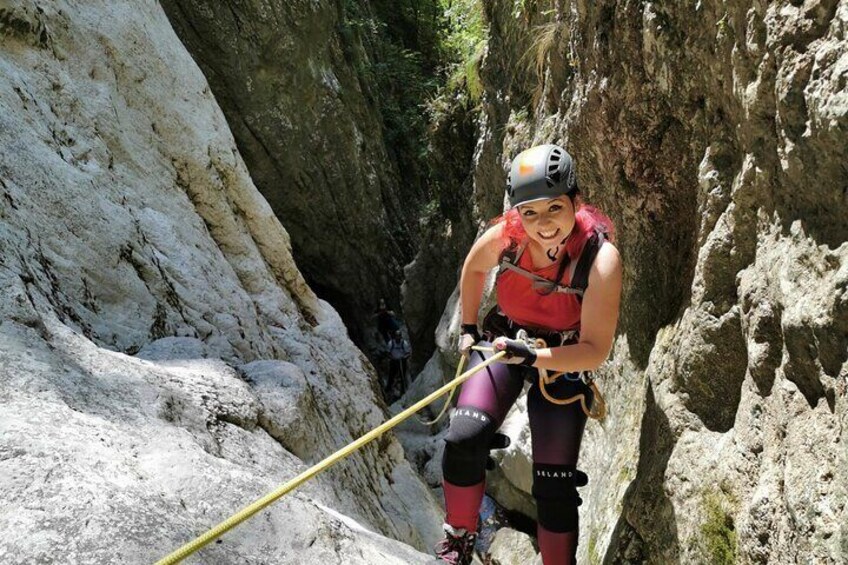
(548, 222)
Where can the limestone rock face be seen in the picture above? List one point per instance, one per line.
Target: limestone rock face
(297, 82)
(715, 135)
(162, 361)
(291, 79)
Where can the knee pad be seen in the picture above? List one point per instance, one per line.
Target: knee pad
(467, 446)
(555, 491)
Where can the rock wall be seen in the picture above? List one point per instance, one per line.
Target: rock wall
(311, 94)
(162, 361)
(292, 79)
(715, 135)
(448, 228)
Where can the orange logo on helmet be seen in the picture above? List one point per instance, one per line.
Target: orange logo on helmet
(524, 169)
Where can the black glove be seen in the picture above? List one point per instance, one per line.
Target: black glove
(468, 336)
(470, 329)
(518, 351)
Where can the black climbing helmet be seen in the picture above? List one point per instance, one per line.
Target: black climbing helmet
(539, 173)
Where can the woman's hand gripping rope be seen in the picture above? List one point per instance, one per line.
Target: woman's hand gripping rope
(519, 351)
(522, 351)
(268, 499)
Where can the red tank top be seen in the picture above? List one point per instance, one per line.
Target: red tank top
(524, 305)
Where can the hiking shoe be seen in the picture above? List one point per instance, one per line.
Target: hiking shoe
(457, 548)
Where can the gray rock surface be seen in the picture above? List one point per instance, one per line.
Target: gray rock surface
(715, 135)
(300, 83)
(156, 336)
(293, 80)
(511, 547)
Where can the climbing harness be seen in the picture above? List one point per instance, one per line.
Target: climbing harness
(586, 376)
(268, 499)
(546, 379)
(509, 261)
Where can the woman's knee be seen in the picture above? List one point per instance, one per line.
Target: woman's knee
(557, 500)
(467, 446)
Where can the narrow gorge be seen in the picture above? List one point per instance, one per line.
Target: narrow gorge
(203, 204)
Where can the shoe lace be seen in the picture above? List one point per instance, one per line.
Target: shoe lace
(455, 549)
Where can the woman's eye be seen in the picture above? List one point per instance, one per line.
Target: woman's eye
(529, 212)
(555, 208)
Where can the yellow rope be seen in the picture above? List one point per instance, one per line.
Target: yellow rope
(459, 367)
(267, 500)
(450, 396)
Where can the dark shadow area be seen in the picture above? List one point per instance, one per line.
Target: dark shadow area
(324, 102)
(493, 517)
(711, 370)
(659, 250)
(802, 368)
(647, 528)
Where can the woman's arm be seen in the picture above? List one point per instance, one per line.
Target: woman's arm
(598, 319)
(482, 258)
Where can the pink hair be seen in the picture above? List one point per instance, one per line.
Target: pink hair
(587, 220)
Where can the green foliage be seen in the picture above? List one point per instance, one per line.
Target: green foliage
(421, 60)
(623, 474)
(718, 532)
(399, 69)
(464, 44)
(466, 75)
(472, 73)
(723, 27)
(465, 28)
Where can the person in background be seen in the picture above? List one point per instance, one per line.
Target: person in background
(399, 351)
(387, 324)
(559, 280)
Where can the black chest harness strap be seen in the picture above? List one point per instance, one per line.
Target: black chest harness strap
(580, 280)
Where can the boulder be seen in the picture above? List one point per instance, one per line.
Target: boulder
(511, 547)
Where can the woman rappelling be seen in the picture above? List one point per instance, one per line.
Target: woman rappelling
(558, 294)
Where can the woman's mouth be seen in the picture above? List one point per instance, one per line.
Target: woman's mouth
(546, 235)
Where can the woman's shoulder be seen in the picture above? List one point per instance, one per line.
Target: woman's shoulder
(486, 252)
(495, 231)
(495, 239)
(607, 262)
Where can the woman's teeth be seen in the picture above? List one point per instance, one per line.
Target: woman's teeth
(548, 234)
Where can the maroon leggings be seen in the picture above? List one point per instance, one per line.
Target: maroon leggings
(556, 432)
